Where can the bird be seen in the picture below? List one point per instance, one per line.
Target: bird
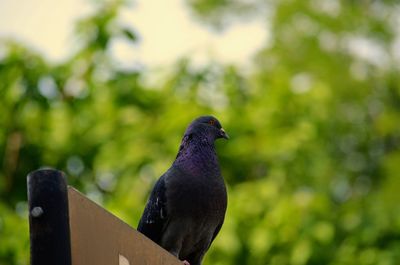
(187, 205)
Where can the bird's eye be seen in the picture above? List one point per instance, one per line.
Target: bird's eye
(211, 122)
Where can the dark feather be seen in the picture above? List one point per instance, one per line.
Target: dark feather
(154, 216)
(186, 208)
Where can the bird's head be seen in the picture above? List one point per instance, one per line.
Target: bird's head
(207, 127)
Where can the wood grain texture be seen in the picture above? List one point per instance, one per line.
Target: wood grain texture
(100, 238)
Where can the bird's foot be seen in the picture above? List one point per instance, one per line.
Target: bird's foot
(185, 262)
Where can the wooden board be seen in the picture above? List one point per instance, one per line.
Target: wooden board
(100, 238)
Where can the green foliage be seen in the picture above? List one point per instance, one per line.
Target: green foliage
(312, 164)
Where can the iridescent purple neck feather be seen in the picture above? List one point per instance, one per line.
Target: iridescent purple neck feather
(197, 155)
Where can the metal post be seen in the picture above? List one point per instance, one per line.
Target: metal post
(48, 218)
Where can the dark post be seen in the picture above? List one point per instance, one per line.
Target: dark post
(48, 218)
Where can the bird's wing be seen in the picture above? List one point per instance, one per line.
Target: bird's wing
(155, 216)
(216, 231)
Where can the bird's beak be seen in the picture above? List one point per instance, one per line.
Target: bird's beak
(223, 134)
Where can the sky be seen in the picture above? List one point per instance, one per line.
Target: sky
(167, 32)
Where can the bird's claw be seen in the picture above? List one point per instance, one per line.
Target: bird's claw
(185, 262)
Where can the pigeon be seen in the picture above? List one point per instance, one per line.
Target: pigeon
(187, 205)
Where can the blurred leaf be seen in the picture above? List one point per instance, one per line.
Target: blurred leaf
(313, 160)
